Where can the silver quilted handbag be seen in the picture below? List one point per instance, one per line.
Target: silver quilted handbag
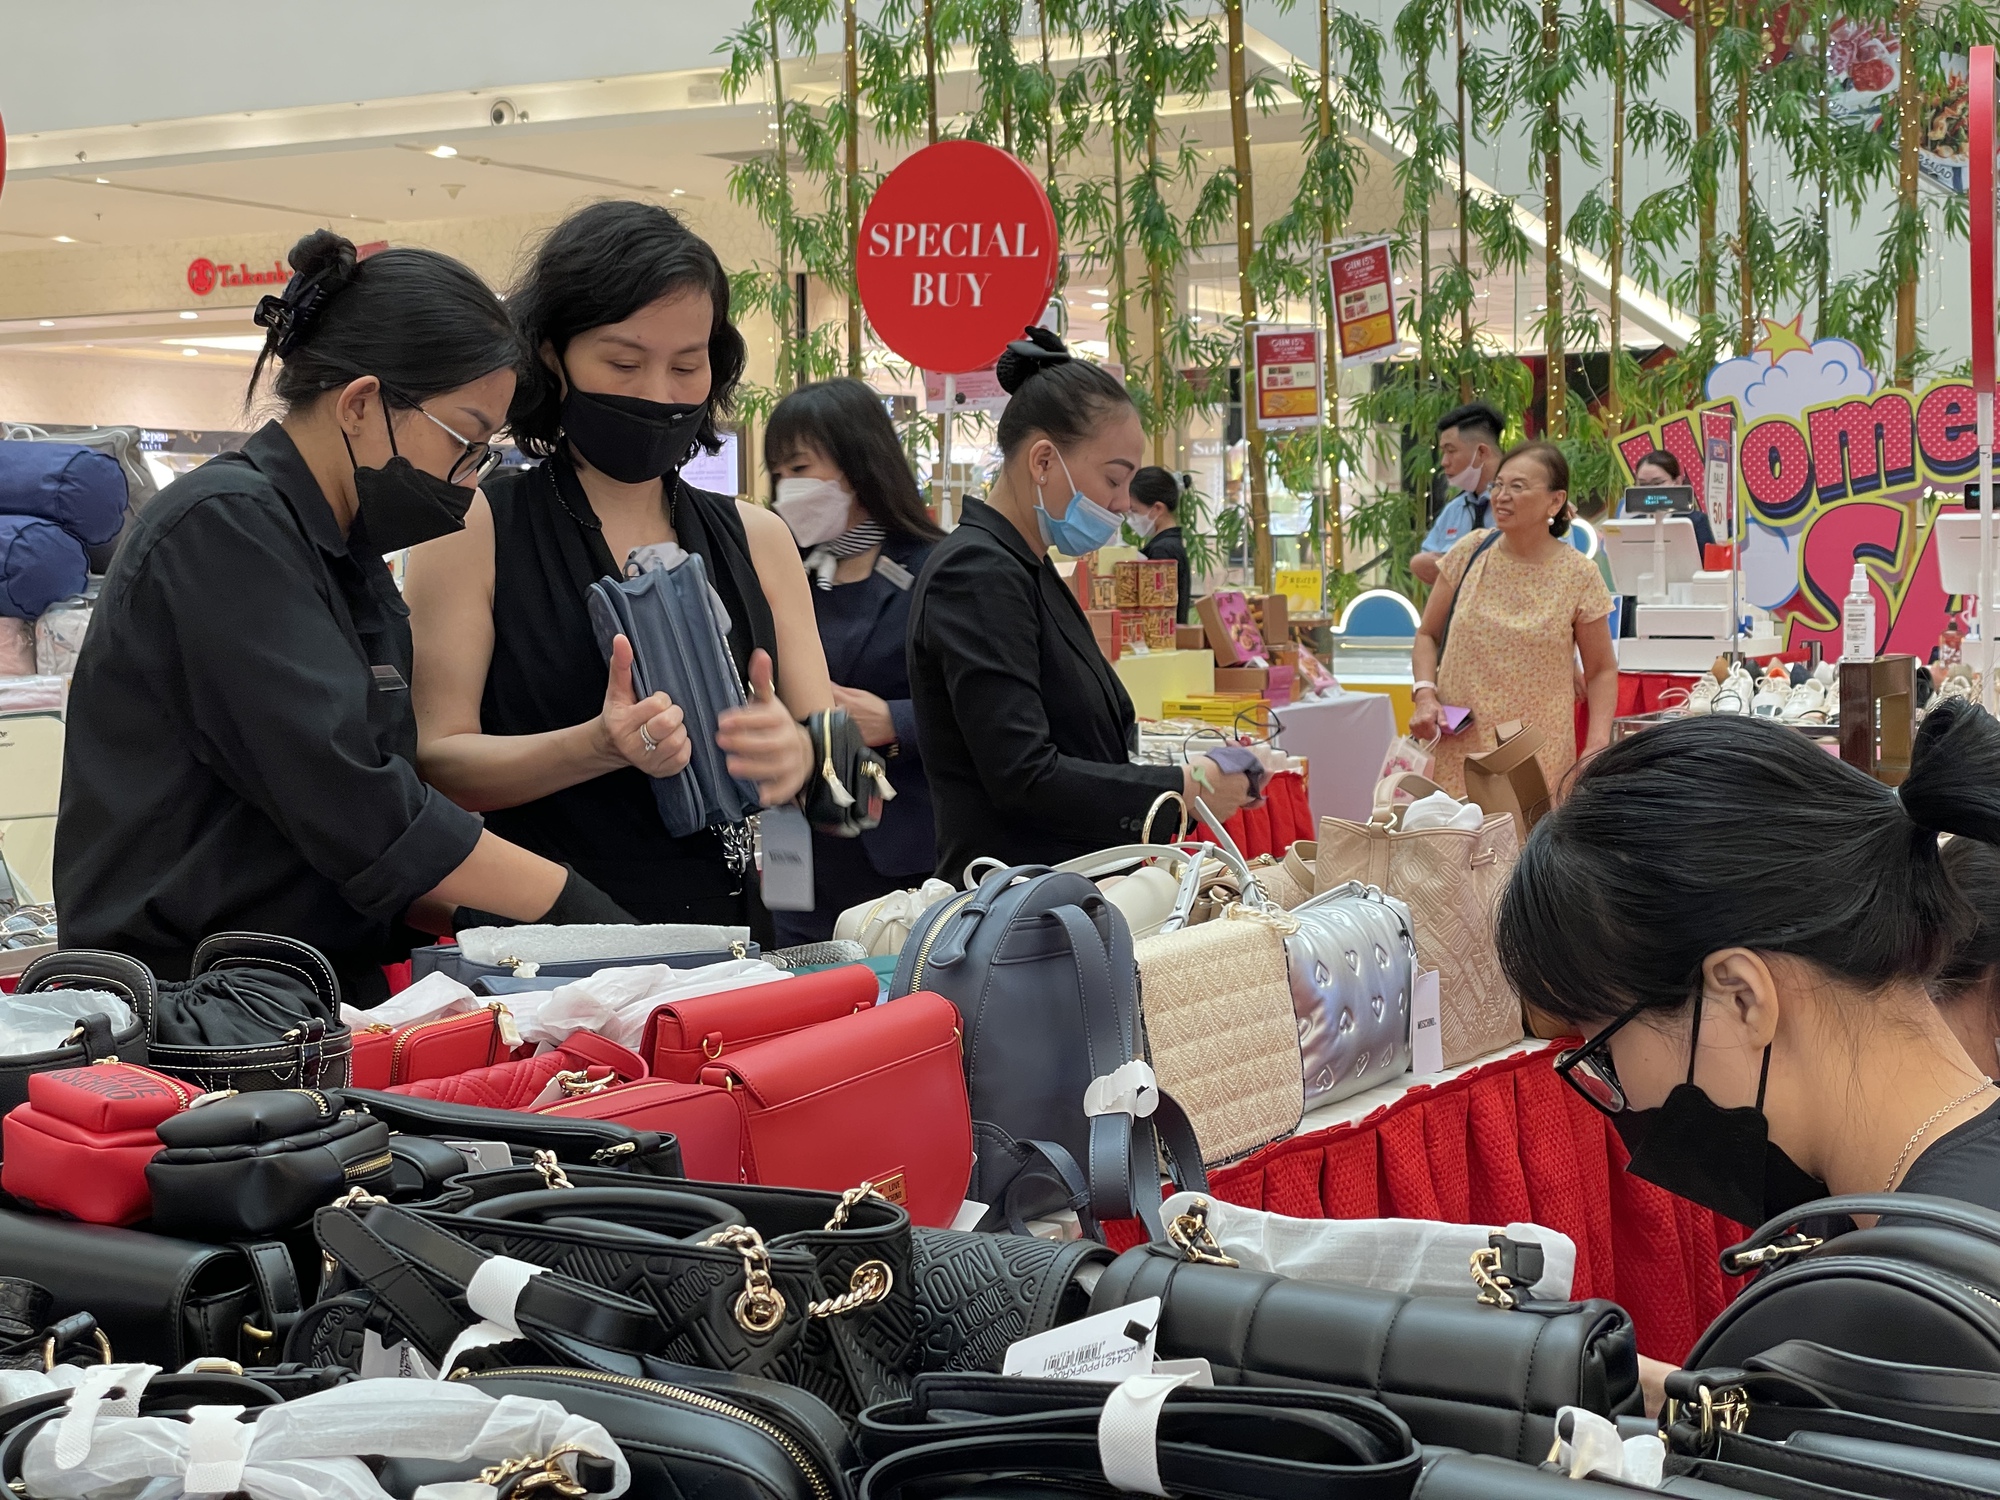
(1352, 963)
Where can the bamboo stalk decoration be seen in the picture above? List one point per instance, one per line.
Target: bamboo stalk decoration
(788, 362)
(930, 72)
(1552, 216)
(852, 84)
(1333, 546)
(1615, 385)
(1823, 261)
(1049, 122)
(1909, 120)
(1246, 239)
(1704, 183)
(1121, 334)
(1156, 293)
(1464, 205)
(1746, 288)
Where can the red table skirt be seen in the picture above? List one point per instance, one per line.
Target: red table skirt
(1501, 1144)
(1638, 693)
(1274, 827)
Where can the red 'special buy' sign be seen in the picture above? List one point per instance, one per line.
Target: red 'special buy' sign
(957, 255)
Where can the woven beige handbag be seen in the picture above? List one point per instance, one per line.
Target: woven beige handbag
(1451, 880)
(1290, 880)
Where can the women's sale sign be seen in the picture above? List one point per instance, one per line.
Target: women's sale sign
(1287, 364)
(1831, 469)
(1364, 303)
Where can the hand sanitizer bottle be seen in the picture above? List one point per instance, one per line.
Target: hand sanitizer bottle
(1857, 619)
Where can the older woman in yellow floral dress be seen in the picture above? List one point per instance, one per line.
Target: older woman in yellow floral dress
(1527, 605)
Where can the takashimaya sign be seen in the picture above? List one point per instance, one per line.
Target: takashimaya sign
(204, 275)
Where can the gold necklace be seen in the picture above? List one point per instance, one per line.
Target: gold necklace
(1924, 1129)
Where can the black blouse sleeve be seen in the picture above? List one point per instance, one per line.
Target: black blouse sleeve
(981, 627)
(278, 707)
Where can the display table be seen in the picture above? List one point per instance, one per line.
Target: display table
(1502, 1141)
(1395, 689)
(1157, 675)
(1343, 739)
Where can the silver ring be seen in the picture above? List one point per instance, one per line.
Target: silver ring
(647, 740)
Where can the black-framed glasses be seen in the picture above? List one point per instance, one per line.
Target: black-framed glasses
(1590, 1071)
(474, 463)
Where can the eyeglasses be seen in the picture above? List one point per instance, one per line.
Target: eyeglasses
(1590, 1071)
(474, 463)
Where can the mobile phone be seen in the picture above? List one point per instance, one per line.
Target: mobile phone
(1454, 719)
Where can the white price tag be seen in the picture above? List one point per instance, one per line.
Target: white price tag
(1426, 1024)
(1100, 1347)
(483, 1156)
(788, 859)
(969, 1215)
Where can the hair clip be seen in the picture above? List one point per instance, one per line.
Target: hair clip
(290, 317)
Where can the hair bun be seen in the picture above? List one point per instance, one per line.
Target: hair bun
(1026, 357)
(324, 254)
(322, 263)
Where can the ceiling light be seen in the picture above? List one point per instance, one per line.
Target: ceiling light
(1100, 291)
(445, 151)
(48, 322)
(679, 193)
(190, 316)
(1100, 306)
(63, 239)
(247, 342)
(105, 181)
(190, 353)
(1539, 307)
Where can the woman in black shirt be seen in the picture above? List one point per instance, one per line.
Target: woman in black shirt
(1027, 731)
(628, 314)
(240, 742)
(1754, 994)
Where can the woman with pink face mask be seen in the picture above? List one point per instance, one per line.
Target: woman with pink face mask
(850, 499)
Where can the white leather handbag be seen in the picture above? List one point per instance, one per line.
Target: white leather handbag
(883, 925)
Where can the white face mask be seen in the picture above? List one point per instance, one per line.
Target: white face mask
(1466, 480)
(815, 509)
(1142, 524)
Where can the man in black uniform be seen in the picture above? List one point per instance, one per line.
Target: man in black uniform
(1156, 498)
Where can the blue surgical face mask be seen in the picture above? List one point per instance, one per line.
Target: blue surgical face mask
(1084, 527)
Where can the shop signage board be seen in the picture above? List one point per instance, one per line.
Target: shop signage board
(1300, 586)
(1830, 463)
(1364, 303)
(975, 390)
(1287, 364)
(957, 255)
(205, 276)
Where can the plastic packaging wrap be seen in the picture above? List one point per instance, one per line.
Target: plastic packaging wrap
(431, 998)
(17, 647)
(615, 1003)
(59, 636)
(43, 1021)
(22, 695)
(1419, 1256)
(311, 1449)
(583, 941)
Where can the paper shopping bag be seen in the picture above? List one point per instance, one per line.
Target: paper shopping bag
(1508, 778)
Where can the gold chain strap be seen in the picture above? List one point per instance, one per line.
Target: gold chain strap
(579, 1082)
(552, 1477)
(869, 1284)
(846, 1206)
(1495, 1290)
(760, 1306)
(1189, 1234)
(553, 1176)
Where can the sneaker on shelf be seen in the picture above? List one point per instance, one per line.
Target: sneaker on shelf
(1827, 672)
(1734, 696)
(1806, 703)
(1702, 699)
(1772, 694)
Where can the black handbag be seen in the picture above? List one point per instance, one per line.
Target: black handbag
(849, 782)
(93, 1039)
(1766, 1431)
(1922, 1287)
(1007, 1436)
(1476, 1476)
(567, 1139)
(160, 1300)
(261, 1163)
(504, 978)
(256, 1012)
(811, 1288)
(1488, 1375)
(977, 1293)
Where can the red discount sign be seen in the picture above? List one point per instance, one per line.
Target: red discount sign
(957, 255)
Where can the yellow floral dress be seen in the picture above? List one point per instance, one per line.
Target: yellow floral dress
(1511, 651)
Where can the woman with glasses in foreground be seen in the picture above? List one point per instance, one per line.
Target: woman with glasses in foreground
(240, 751)
(1753, 995)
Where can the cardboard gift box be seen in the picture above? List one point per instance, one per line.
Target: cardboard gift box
(1157, 626)
(1147, 584)
(1131, 629)
(1106, 625)
(1104, 591)
(1232, 633)
(1273, 615)
(1190, 638)
(1220, 709)
(1243, 680)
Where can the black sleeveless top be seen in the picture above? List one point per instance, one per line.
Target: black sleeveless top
(547, 673)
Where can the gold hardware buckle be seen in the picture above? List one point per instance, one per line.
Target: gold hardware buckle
(760, 1306)
(870, 1283)
(552, 1478)
(553, 1175)
(1495, 1289)
(1189, 1234)
(103, 1350)
(1765, 1255)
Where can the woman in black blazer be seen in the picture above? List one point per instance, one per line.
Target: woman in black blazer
(1027, 732)
(847, 493)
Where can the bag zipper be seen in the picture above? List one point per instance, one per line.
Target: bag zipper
(179, 1090)
(497, 1012)
(822, 1490)
(924, 948)
(367, 1168)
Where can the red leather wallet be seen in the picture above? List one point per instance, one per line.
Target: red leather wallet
(385, 1056)
(686, 1036)
(704, 1120)
(517, 1085)
(878, 1096)
(80, 1145)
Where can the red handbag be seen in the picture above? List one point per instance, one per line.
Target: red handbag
(686, 1036)
(80, 1145)
(704, 1120)
(385, 1056)
(519, 1085)
(874, 1097)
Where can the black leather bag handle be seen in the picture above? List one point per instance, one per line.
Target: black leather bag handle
(236, 950)
(1768, 1245)
(962, 920)
(94, 968)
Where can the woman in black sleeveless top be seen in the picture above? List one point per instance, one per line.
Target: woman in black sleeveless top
(517, 715)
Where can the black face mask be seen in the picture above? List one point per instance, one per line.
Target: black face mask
(399, 505)
(628, 438)
(1722, 1159)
